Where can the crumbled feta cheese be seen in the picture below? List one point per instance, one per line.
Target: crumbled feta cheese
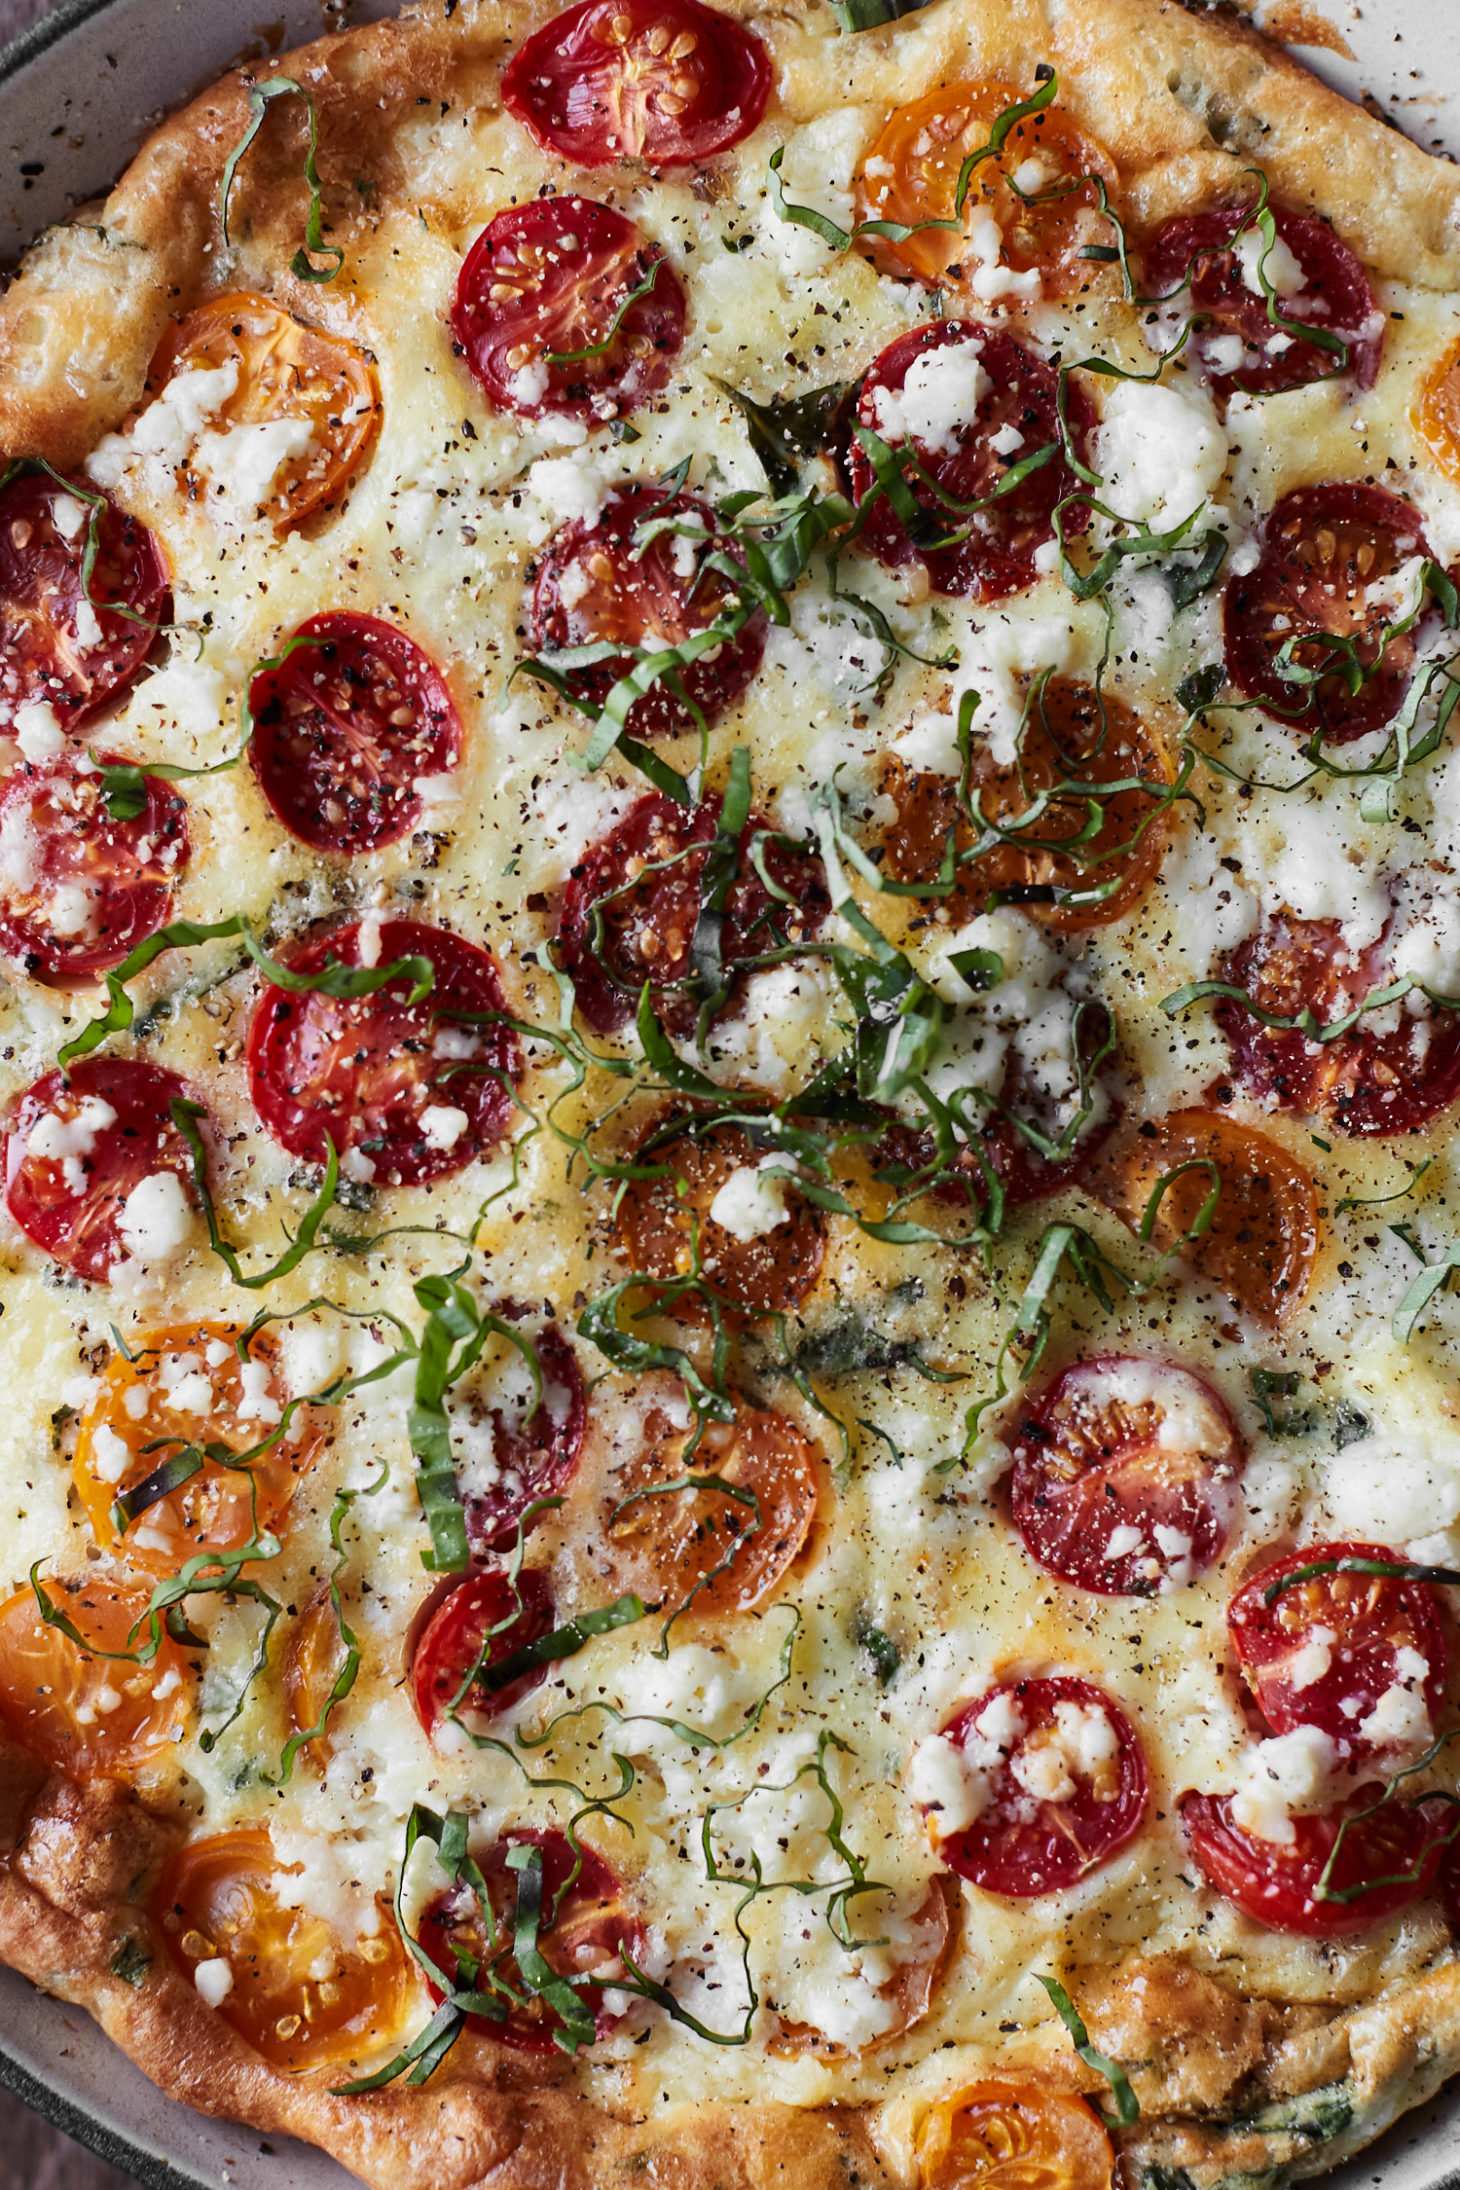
(1161, 451)
(1312, 1660)
(54, 1138)
(87, 624)
(214, 1980)
(752, 1200)
(939, 1780)
(941, 392)
(570, 488)
(156, 1219)
(37, 731)
(990, 280)
(1287, 1774)
(442, 1125)
(1284, 274)
(111, 1455)
(1401, 1717)
(244, 462)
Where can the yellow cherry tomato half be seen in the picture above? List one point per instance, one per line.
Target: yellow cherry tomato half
(91, 1716)
(1436, 413)
(1039, 193)
(282, 370)
(1012, 2136)
(299, 1994)
(183, 1388)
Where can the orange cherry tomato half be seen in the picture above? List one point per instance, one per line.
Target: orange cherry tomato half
(911, 175)
(1436, 413)
(89, 1716)
(315, 1655)
(285, 370)
(294, 1990)
(1263, 1235)
(732, 1550)
(1008, 2136)
(186, 1387)
(1065, 740)
(658, 1219)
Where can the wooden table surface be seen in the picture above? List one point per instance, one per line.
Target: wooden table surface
(33, 2156)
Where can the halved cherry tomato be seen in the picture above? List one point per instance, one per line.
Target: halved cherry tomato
(1072, 735)
(1010, 399)
(1125, 1473)
(665, 81)
(659, 1217)
(1275, 1883)
(548, 280)
(585, 1930)
(284, 370)
(596, 584)
(296, 1992)
(632, 903)
(1236, 343)
(1326, 1650)
(1435, 415)
(1327, 553)
(60, 643)
(1065, 1785)
(906, 1994)
(670, 1541)
(1263, 1234)
(472, 1630)
(1012, 2136)
(186, 1387)
(534, 1455)
(92, 1717)
(344, 730)
(1364, 1082)
(911, 175)
(315, 1655)
(79, 1150)
(77, 889)
(407, 1090)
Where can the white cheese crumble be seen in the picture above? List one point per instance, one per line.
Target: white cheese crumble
(1161, 451)
(37, 731)
(941, 392)
(752, 1201)
(442, 1125)
(1290, 1773)
(214, 1980)
(1284, 274)
(156, 1219)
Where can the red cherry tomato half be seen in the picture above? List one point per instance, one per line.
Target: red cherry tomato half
(401, 1087)
(998, 388)
(1275, 1883)
(665, 81)
(56, 644)
(534, 1454)
(345, 728)
(596, 584)
(632, 902)
(585, 1927)
(76, 1153)
(1327, 1650)
(1237, 344)
(480, 1623)
(1124, 1477)
(77, 889)
(1328, 554)
(551, 278)
(1051, 1813)
(1364, 1082)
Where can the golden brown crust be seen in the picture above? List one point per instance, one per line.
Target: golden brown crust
(1228, 2085)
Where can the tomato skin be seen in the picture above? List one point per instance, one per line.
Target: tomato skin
(1263, 1237)
(331, 758)
(49, 1688)
(1275, 1884)
(1091, 1456)
(447, 1646)
(1222, 298)
(536, 1458)
(285, 370)
(214, 1511)
(1321, 548)
(77, 1221)
(595, 84)
(1024, 1846)
(668, 1544)
(1369, 1617)
(642, 600)
(1365, 1084)
(561, 299)
(998, 558)
(123, 870)
(299, 1996)
(315, 1655)
(365, 1073)
(586, 1926)
(1435, 414)
(42, 655)
(1001, 2136)
(655, 1221)
(1067, 738)
(649, 919)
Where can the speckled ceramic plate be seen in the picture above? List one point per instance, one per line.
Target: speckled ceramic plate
(78, 93)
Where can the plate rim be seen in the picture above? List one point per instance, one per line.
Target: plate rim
(48, 2100)
(63, 17)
